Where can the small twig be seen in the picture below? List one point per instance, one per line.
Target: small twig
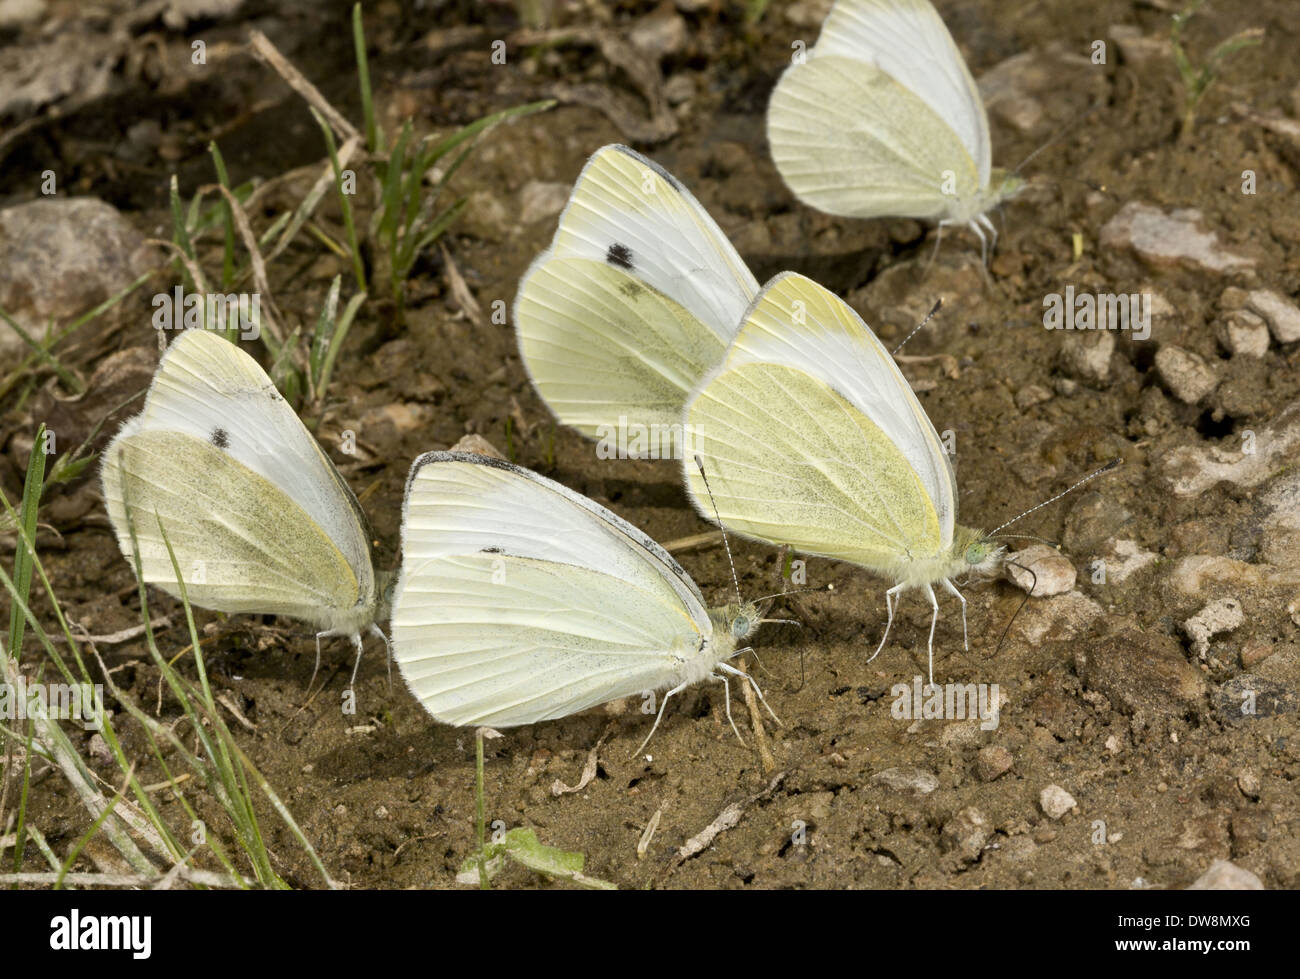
(727, 819)
(169, 784)
(706, 539)
(205, 878)
(460, 290)
(588, 770)
(260, 280)
(224, 700)
(756, 722)
(122, 635)
(269, 54)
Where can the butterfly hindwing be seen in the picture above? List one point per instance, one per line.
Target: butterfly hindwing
(635, 299)
(810, 436)
(521, 601)
(243, 492)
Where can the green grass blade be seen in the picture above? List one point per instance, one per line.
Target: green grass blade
(363, 78)
(26, 549)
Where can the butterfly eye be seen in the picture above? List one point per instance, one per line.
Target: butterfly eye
(740, 626)
(976, 553)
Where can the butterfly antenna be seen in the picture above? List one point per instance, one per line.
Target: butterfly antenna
(797, 591)
(1018, 607)
(1056, 136)
(928, 316)
(718, 519)
(1042, 540)
(1114, 463)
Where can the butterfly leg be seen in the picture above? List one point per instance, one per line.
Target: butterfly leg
(985, 220)
(984, 245)
(388, 652)
(726, 693)
(952, 590)
(316, 669)
(356, 642)
(891, 600)
(935, 254)
(728, 668)
(660, 716)
(934, 602)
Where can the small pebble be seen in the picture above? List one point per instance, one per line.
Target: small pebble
(1032, 394)
(1041, 568)
(99, 749)
(992, 761)
(1186, 375)
(1255, 653)
(1056, 802)
(1223, 875)
(1222, 615)
(1282, 316)
(916, 780)
(966, 833)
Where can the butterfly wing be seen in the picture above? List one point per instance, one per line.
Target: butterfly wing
(217, 396)
(907, 40)
(601, 345)
(635, 299)
(884, 118)
(241, 544)
(811, 436)
(521, 601)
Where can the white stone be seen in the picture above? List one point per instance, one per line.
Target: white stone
(1056, 802)
(1052, 572)
(1123, 559)
(1224, 875)
(1187, 376)
(1173, 238)
(1244, 334)
(539, 199)
(1282, 316)
(1222, 615)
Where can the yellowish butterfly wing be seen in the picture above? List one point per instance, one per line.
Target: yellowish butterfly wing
(848, 139)
(791, 461)
(241, 543)
(601, 344)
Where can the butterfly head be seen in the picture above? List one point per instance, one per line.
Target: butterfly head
(1003, 185)
(980, 555)
(733, 624)
(743, 620)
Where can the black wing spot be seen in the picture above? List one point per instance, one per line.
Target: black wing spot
(491, 550)
(220, 438)
(620, 256)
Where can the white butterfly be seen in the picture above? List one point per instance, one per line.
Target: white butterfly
(258, 517)
(521, 601)
(883, 119)
(636, 298)
(811, 437)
